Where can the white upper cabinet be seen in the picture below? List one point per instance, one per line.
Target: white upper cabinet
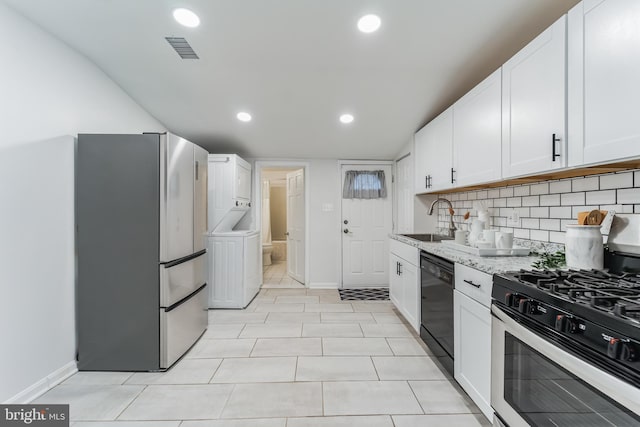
(477, 130)
(434, 154)
(534, 105)
(604, 85)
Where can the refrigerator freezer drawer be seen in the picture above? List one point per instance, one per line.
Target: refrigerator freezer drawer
(180, 280)
(181, 327)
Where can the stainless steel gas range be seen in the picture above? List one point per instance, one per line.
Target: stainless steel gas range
(566, 346)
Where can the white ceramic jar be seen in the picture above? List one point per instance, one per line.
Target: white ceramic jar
(584, 248)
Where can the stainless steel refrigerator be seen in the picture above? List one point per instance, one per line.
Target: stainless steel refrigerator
(141, 220)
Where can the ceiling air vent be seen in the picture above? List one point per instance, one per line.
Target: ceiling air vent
(181, 45)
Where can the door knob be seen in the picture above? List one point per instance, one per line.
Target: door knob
(345, 231)
(346, 222)
(286, 234)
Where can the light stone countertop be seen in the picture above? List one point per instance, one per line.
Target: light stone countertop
(489, 265)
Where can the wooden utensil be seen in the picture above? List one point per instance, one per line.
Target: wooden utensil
(595, 217)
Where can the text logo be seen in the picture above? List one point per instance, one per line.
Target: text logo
(34, 415)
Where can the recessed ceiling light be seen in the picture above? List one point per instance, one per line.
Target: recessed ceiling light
(369, 23)
(186, 17)
(243, 116)
(346, 118)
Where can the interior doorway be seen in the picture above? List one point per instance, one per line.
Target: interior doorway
(282, 221)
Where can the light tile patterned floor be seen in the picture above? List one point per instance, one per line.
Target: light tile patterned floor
(293, 358)
(275, 276)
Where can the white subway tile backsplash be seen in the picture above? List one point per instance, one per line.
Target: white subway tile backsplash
(541, 235)
(542, 212)
(530, 223)
(506, 192)
(499, 203)
(557, 237)
(616, 180)
(493, 194)
(542, 188)
(585, 184)
(560, 187)
(550, 200)
(514, 202)
(576, 209)
(560, 212)
(572, 199)
(546, 208)
(601, 197)
(550, 224)
(630, 196)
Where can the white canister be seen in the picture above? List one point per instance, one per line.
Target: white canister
(484, 217)
(584, 248)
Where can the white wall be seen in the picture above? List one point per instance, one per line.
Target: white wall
(47, 91)
(323, 176)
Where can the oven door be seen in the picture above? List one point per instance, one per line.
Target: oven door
(535, 383)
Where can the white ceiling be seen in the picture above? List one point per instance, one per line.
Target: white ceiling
(296, 65)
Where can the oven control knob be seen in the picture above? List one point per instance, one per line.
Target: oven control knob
(508, 299)
(561, 321)
(613, 348)
(572, 326)
(629, 352)
(526, 306)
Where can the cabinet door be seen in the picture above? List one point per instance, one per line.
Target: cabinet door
(411, 293)
(604, 94)
(472, 347)
(395, 282)
(477, 130)
(534, 105)
(434, 154)
(243, 182)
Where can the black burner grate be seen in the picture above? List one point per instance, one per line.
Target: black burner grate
(618, 294)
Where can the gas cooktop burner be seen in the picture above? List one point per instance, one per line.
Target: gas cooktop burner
(618, 294)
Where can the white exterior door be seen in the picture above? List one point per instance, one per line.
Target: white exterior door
(295, 225)
(404, 195)
(366, 224)
(534, 105)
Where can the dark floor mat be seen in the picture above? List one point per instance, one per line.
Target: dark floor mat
(364, 294)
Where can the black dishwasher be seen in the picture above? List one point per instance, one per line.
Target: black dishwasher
(436, 330)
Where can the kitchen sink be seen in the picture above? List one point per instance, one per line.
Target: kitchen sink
(427, 237)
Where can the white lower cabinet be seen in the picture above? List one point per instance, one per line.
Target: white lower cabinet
(404, 282)
(472, 335)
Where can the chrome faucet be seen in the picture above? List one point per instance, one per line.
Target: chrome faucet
(452, 226)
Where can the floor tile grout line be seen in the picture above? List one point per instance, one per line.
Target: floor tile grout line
(416, 397)
(226, 401)
(216, 370)
(131, 402)
(375, 368)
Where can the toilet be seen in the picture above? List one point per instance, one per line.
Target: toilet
(267, 248)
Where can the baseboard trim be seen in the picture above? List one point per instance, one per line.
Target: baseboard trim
(323, 285)
(45, 384)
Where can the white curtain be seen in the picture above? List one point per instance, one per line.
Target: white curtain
(364, 185)
(266, 213)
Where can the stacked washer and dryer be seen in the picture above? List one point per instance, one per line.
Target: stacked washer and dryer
(233, 253)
